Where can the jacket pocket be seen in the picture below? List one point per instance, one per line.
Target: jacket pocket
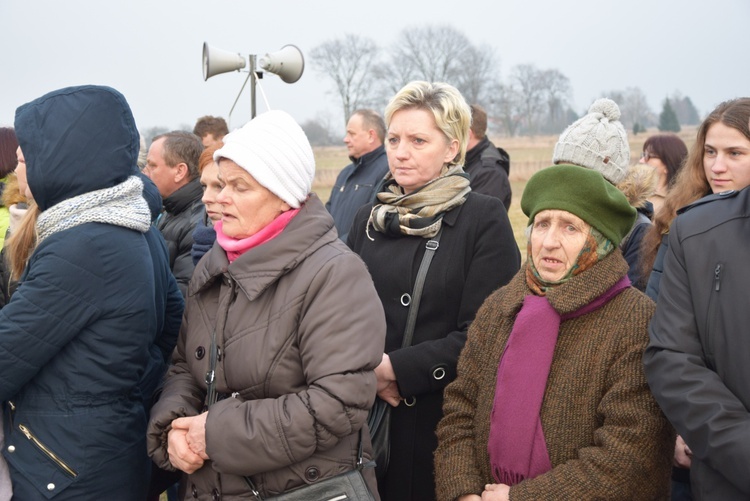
(45, 472)
(47, 452)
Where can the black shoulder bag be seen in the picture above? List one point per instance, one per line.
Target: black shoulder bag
(379, 419)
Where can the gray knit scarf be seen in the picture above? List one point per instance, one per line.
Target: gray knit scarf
(420, 212)
(121, 205)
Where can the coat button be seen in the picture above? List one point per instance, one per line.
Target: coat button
(312, 474)
(195, 491)
(50, 486)
(215, 495)
(200, 352)
(11, 448)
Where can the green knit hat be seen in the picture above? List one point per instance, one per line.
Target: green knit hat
(583, 192)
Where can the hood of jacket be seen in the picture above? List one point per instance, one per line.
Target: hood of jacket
(639, 184)
(76, 140)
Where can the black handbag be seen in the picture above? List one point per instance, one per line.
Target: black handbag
(349, 485)
(379, 418)
(379, 424)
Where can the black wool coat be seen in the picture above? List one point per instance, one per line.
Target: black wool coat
(477, 254)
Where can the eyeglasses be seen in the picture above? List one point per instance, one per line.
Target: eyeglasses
(646, 156)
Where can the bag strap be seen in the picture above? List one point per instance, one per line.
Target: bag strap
(411, 320)
(211, 374)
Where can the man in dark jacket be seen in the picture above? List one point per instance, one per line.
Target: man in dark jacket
(359, 182)
(696, 361)
(486, 164)
(172, 165)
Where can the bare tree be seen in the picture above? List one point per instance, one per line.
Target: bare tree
(432, 53)
(438, 54)
(529, 82)
(349, 61)
(481, 67)
(634, 108)
(556, 90)
(507, 105)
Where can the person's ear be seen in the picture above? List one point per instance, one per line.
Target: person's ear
(180, 172)
(452, 151)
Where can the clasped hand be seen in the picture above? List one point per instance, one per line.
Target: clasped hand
(492, 492)
(186, 443)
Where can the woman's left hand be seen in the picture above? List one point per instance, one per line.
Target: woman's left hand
(195, 426)
(496, 492)
(387, 387)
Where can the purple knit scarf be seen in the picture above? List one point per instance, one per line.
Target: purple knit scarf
(516, 447)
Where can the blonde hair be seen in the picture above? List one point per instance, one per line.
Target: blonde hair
(22, 241)
(449, 108)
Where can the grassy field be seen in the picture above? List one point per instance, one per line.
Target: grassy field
(527, 155)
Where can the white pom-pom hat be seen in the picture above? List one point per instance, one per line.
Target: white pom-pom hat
(596, 141)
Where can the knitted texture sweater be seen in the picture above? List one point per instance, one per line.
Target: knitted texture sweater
(606, 436)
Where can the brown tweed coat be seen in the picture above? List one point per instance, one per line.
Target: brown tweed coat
(606, 436)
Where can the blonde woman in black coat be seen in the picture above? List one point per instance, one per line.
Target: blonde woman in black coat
(426, 193)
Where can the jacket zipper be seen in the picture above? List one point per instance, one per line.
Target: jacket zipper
(12, 411)
(717, 277)
(59, 462)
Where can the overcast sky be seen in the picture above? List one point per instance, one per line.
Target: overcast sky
(151, 50)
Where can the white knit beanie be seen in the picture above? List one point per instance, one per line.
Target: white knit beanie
(273, 149)
(596, 141)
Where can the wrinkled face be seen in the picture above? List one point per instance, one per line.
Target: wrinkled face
(557, 238)
(726, 158)
(23, 184)
(246, 206)
(357, 138)
(417, 150)
(211, 189)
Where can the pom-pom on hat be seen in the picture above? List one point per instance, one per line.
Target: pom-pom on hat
(582, 192)
(596, 141)
(273, 149)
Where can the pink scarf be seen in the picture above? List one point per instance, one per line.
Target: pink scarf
(516, 447)
(235, 247)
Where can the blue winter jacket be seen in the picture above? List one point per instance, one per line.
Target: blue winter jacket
(75, 338)
(167, 298)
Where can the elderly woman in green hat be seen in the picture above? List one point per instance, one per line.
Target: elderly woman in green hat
(551, 401)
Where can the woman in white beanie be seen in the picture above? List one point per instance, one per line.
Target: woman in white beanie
(273, 373)
(598, 141)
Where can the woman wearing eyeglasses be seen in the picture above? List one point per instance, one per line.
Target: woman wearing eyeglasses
(666, 153)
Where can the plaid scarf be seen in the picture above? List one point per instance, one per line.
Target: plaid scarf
(420, 212)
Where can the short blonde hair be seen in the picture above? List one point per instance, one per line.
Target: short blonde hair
(449, 108)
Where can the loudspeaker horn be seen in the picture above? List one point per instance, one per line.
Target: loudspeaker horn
(287, 63)
(216, 61)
